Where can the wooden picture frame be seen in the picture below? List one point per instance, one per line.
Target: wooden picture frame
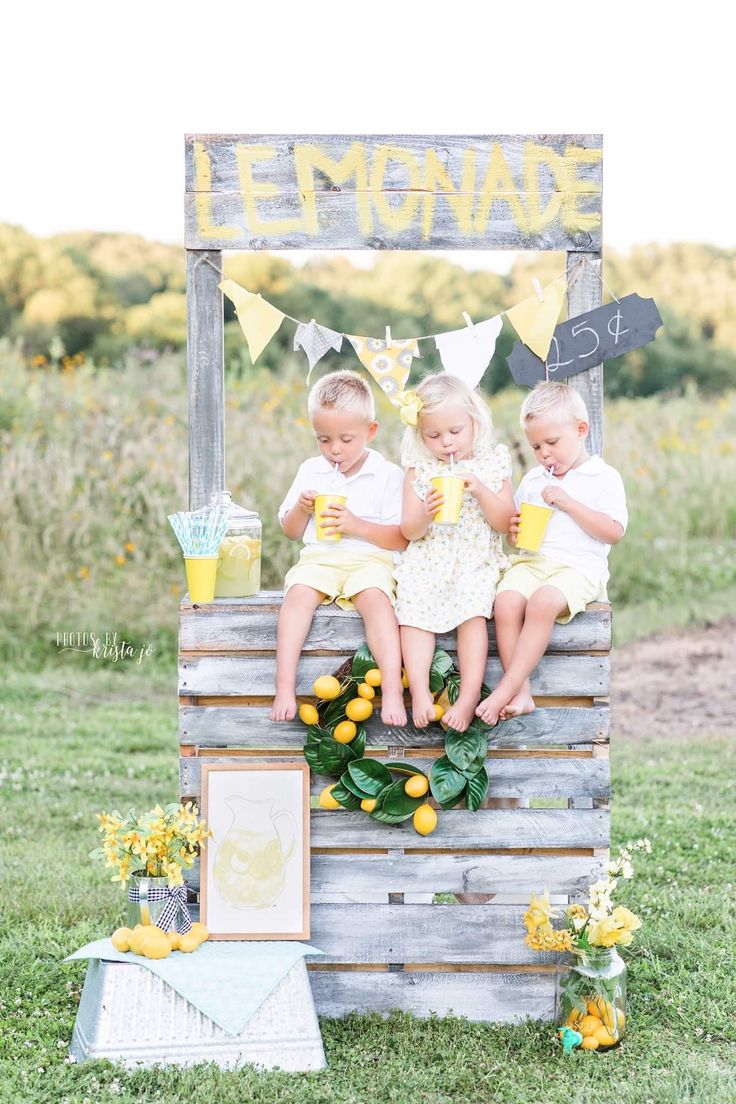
(254, 877)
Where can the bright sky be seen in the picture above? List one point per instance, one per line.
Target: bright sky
(97, 98)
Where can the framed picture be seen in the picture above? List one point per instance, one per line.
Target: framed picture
(255, 867)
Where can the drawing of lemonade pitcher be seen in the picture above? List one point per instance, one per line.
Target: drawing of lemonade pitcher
(250, 864)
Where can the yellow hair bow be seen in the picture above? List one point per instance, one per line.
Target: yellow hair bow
(409, 407)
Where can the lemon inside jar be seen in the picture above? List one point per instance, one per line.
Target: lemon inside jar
(239, 557)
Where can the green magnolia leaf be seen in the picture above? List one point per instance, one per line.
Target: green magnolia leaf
(347, 799)
(439, 669)
(464, 748)
(476, 790)
(452, 685)
(362, 661)
(358, 742)
(369, 775)
(311, 754)
(349, 784)
(315, 733)
(402, 766)
(396, 801)
(335, 710)
(445, 780)
(389, 818)
(335, 756)
(453, 801)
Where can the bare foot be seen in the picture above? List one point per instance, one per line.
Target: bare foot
(490, 708)
(284, 706)
(459, 715)
(393, 711)
(422, 708)
(523, 702)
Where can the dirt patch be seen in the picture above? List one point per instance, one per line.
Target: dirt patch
(676, 683)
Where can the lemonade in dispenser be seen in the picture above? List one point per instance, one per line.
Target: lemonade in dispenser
(239, 560)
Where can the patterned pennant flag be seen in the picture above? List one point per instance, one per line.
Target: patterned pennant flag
(535, 321)
(390, 367)
(315, 340)
(258, 319)
(466, 353)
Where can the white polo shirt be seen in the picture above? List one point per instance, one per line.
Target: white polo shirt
(595, 484)
(374, 494)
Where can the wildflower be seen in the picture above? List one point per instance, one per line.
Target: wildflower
(540, 912)
(83, 573)
(130, 547)
(629, 924)
(119, 560)
(605, 932)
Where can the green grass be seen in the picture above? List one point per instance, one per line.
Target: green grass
(77, 738)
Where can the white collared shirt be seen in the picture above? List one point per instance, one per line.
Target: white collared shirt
(598, 486)
(374, 494)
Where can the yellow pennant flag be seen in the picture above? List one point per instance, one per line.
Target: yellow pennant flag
(389, 365)
(258, 319)
(535, 321)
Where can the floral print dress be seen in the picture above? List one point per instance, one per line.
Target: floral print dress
(450, 574)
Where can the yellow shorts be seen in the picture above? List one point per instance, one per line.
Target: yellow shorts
(529, 573)
(340, 577)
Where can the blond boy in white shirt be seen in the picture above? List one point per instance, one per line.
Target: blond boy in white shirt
(356, 571)
(571, 567)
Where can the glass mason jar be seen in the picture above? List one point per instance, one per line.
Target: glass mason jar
(597, 984)
(239, 560)
(147, 899)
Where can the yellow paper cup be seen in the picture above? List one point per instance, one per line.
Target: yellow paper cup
(201, 574)
(532, 526)
(321, 503)
(451, 488)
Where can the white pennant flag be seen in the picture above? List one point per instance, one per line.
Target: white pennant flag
(466, 353)
(315, 340)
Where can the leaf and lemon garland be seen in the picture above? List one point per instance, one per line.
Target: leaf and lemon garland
(335, 746)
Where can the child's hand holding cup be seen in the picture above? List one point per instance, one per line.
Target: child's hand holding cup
(325, 526)
(528, 527)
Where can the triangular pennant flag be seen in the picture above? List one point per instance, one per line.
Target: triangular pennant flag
(535, 321)
(258, 319)
(315, 340)
(466, 353)
(390, 366)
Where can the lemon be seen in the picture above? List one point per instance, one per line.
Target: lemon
(345, 732)
(366, 691)
(590, 1042)
(373, 677)
(188, 942)
(326, 687)
(155, 943)
(201, 931)
(121, 938)
(136, 939)
(404, 678)
(327, 801)
(308, 714)
(425, 820)
(590, 1024)
(574, 1019)
(604, 1037)
(358, 709)
(416, 786)
(438, 712)
(174, 938)
(368, 804)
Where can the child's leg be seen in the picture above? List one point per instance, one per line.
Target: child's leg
(417, 648)
(382, 636)
(295, 620)
(509, 610)
(472, 652)
(544, 606)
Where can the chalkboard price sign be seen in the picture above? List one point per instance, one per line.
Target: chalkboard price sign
(589, 339)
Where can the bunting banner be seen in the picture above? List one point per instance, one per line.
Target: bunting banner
(315, 340)
(389, 365)
(535, 318)
(259, 320)
(466, 353)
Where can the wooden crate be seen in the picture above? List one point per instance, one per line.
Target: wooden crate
(382, 948)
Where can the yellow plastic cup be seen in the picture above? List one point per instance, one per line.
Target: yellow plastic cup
(201, 574)
(532, 526)
(451, 488)
(321, 503)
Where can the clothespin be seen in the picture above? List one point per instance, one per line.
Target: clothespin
(311, 322)
(469, 322)
(388, 337)
(538, 288)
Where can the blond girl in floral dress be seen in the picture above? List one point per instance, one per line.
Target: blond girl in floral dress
(446, 578)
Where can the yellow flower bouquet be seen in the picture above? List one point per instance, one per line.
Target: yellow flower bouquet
(591, 996)
(158, 844)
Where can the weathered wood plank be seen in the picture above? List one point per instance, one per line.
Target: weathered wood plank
(423, 933)
(481, 997)
(206, 377)
(585, 292)
(233, 624)
(401, 192)
(249, 726)
(531, 777)
(555, 676)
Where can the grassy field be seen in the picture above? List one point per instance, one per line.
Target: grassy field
(84, 737)
(95, 461)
